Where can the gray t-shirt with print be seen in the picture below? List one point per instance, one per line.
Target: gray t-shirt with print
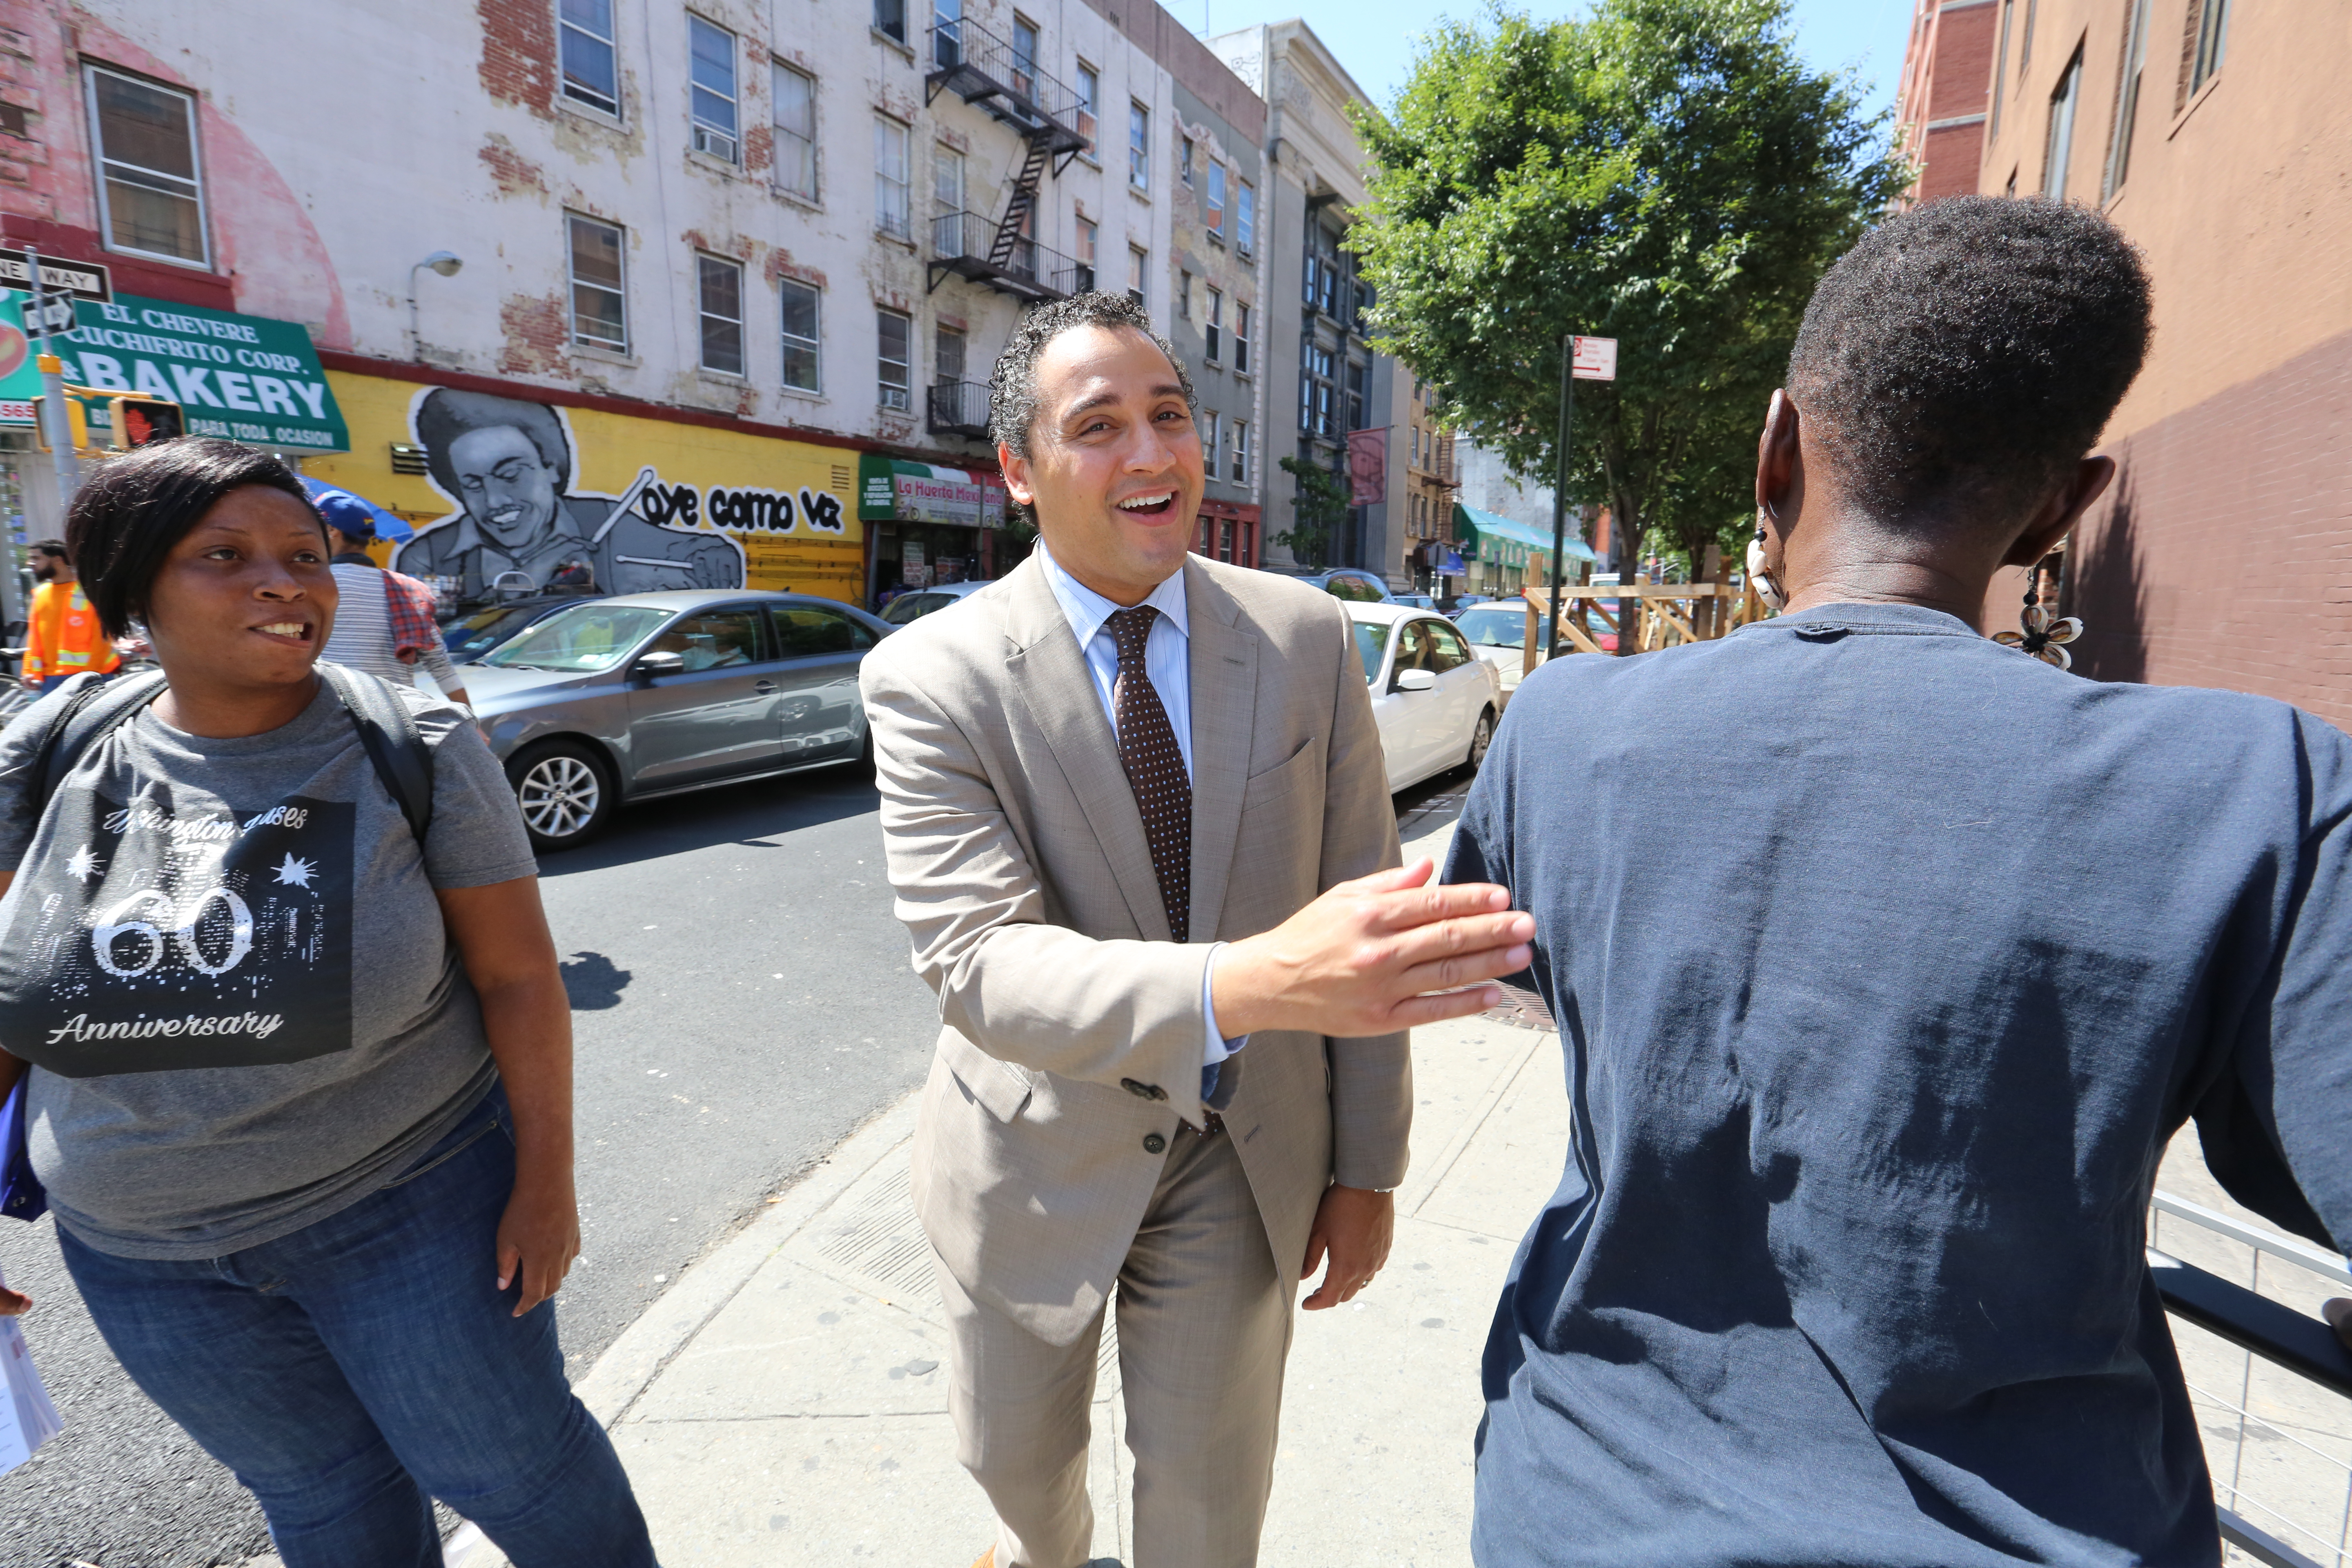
(225, 960)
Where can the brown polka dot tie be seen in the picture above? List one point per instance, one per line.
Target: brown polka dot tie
(1155, 767)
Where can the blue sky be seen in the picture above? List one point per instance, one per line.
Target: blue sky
(1374, 38)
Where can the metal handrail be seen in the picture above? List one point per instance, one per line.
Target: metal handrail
(981, 66)
(971, 238)
(2318, 1259)
(957, 408)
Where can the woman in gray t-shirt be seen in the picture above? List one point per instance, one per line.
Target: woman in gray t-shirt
(293, 1051)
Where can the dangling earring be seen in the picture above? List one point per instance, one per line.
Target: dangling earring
(2042, 637)
(1767, 588)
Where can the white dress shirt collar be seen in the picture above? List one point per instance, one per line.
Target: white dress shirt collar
(1086, 610)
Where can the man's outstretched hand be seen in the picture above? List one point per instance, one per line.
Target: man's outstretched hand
(14, 1303)
(1373, 956)
(1353, 1228)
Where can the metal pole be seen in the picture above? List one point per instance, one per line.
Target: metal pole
(57, 422)
(1560, 487)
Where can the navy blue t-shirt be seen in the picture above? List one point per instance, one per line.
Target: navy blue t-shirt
(1886, 959)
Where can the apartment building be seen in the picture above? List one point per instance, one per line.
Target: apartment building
(1940, 107)
(1322, 380)
(1430, 485)
(741, 266)
(2217, 135)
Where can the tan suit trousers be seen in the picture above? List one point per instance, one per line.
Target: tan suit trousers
(1203, 1329)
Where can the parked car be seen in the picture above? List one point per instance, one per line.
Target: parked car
(469, 636)
(1435, 700)
(914, 606)
(1418, 601)
(621, 700)
(1353, 584)
(1496, 633)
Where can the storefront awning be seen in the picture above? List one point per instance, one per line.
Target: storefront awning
(1502, 541)
(247, 378)
(894, 489)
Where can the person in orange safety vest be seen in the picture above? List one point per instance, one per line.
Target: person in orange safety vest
(61, 633)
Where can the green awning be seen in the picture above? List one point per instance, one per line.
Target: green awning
(248, 378)
(1502, 541)
(894, 489)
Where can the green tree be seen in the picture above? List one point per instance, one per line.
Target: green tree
(1320, 509)
(1666, 172)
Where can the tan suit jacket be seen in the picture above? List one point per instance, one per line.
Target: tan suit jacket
(1072, 1025)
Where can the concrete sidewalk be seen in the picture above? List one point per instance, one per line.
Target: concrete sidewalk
(785, 1402)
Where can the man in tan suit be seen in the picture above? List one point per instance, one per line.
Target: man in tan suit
(1136, 821)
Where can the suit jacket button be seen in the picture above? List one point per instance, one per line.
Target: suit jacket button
(1154, 1144)
(1140, 1091)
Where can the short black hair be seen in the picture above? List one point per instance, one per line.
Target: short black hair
(446, 413)
(127, 517)
(1966, 353)
(1012, 384)
(51, 547)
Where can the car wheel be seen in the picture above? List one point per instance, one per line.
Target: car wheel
(565, 791)
(1482, 737)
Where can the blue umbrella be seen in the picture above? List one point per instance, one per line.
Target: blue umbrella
(330, 499)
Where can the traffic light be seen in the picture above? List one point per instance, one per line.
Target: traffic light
(141, 421)
(77, 419)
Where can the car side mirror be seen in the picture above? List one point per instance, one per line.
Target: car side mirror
(1416, 681)
(650, 664)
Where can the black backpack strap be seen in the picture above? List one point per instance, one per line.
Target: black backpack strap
(388, 730)
(98, 705)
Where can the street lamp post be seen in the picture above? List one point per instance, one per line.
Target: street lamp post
(446, 264)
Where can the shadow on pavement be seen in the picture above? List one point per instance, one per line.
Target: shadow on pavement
(745, 814)
(594, 982)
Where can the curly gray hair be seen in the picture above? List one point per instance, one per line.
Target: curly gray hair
(1012, 384)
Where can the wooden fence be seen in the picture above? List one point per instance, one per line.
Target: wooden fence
(1660, 615)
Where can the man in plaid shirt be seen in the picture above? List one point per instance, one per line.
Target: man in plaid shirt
(384, 624)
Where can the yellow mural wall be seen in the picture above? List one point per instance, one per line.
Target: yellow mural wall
(706, 478)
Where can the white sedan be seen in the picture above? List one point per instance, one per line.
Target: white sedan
(1435, 700)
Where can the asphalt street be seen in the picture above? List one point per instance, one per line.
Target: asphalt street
(742, 1002)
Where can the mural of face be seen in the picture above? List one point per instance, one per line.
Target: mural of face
(504, 484)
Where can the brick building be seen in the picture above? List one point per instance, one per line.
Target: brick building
(1940, 108)
(2219, 137)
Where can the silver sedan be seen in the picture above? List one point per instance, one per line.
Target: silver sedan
(622, 700)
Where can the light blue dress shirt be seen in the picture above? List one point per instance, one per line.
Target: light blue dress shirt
(1167, 659)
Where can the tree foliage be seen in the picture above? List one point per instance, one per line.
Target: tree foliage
(1665, 172)
(1315, 517)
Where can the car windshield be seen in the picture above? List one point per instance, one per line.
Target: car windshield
(583, 637)
(1496, 628)
(470, 637)
(1352, 588)
(1371, 646)
(909, 607)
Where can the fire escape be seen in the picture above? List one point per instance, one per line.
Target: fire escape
(1002, 252)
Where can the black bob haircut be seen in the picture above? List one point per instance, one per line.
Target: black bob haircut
(127, 517)
(1964, 356)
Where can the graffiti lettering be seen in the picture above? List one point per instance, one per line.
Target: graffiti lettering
(822, 511)
(669, 504)
(769, 511)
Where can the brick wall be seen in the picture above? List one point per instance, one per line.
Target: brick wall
(2222, 556)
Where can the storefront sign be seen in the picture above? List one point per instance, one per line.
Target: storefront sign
(247, 378)
(892, 489)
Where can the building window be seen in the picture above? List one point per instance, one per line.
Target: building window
(2119, 139)
(1246, 218)
(598, 301)
(1024, 56)
(710, 51)
(1086, 237)
(1241, 339)
(150, 192)
(946, 33)
(891, 183)
(2025, 41)
(1212, 439)
(1183, 156)
(795, 132)
(947, 178)
(1139, 268)
(1088, 89)
(584, 41)
(1237, 467)
(2000, 65)
(2061, 144)
(947, 355)
(1215, 324)
(890, 19)
(1138, 146)
(1315, 392)
(1213, 209)
(2212, 35)
(1356, 372)
(894, 363)
(801, 336)
(719, 288)
(1184, 294)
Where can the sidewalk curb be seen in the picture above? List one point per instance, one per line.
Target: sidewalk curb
(632, 1361)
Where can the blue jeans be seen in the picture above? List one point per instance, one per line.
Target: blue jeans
(348, 1369)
